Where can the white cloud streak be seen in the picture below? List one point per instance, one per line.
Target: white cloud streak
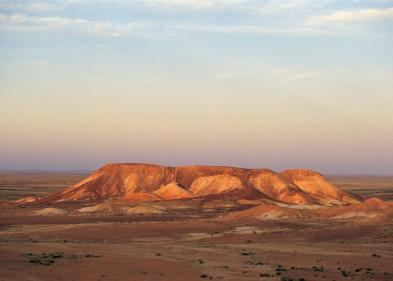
(307, 24)
(289, 6)
(32, 6)
(26, 23)
(254, 6)
(362, 15)
(249, 29)
(194, 4)
(278, 74)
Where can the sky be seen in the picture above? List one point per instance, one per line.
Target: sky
(263, 84)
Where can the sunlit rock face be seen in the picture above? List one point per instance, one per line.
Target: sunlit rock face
(278, 188)
(146, 182)
(319, 187)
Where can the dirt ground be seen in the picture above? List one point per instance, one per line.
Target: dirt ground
(189, 243)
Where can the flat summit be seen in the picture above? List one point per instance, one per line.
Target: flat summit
(147, 182)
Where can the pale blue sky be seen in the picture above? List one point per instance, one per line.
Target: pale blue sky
(277, 84)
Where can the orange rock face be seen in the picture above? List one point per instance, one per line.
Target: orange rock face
(319, 187)
(145, 182)
(172, 191)
(278, 188)
(216, 184)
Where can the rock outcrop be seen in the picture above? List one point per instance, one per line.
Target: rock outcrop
(145, 182)
(319, 187)
(172, 191)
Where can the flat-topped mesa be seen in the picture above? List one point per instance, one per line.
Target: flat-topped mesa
(147, 182)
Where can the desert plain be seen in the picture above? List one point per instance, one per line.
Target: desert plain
(205, 229)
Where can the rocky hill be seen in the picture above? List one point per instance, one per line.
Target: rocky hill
(146, 182)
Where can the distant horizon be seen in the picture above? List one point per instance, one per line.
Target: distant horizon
(87, 171)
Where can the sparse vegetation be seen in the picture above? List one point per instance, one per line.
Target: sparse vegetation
(265, 275)
(318, 268)
(345, 273)
(44, 258)
(50, 258)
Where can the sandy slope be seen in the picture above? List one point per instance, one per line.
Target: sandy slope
(172, 191)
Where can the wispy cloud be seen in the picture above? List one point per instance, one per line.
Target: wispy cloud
(286, 75)
(32, 6)
(26, 23)
(194, 4)
(280, 17)
(278, 74)
(289, 6)
(249, 29)
(362, 15)
(254, 6)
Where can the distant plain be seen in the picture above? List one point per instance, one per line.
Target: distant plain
(190, 243)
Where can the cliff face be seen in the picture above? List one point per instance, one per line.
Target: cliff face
(145, 182)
